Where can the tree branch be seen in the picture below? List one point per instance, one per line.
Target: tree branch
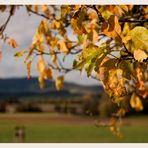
(3, 27)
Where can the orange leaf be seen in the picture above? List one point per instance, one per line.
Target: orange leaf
(41, 82)
(12, 43)
(63, 47)
(49, 73)
(44, 8)
(36, 8)
(59, 82)
(112, 28)
(41, 65)
(29, 68)
(140, 55)
(136, 102)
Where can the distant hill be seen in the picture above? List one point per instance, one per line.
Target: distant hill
(18, 87)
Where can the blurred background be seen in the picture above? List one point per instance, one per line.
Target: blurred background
(29, 114)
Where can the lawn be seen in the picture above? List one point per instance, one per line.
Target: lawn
(56, 129)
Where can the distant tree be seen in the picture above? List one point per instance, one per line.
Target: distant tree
(110, 42)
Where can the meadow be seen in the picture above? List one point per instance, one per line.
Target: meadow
(54, 128)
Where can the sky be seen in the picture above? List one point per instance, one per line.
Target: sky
(22, 28)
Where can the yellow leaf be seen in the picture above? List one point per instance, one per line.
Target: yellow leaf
(124, 7)
(41, 82)
(68, 44)
(38, 37)
(140, 82)
(49, 73)
(54, 59)
(126, 29)
(30, 52)
(29, 68)
(55, 24)
(74, 25)
(41, 65)
(140, 55)
(93, 14)
(95, 36)
(121, 112)
(44, 8)
(20, 53)
(136, 102)
(63, 47)
(41, 48)
(93, 24)
(12, 43)
(59, 82)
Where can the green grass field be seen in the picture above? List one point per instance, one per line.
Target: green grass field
(49, 129)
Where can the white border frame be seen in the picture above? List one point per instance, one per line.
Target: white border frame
(60, 2)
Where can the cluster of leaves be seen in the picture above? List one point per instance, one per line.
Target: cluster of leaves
(110, 42)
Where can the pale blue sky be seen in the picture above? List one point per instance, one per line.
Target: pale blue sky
(22, 28)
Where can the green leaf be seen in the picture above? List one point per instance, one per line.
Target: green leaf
(91, 58)
(127, 69)
(139, 37)
(110, 64)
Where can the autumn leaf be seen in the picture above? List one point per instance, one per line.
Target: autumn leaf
(29, 69)
(140, 55)
(12, 43)
(44, 8)
(139, 37)
(55, 24)
(140, 82)
(136, 102)
(3, 8)
(124, 7)
(112, 28)
(54, 59)
(93, 14)
(49, 73)
(41, 82)
(20, 53)
(59, 82)
(63, 48)
(41, 65)
(74, 25)
(36, 8)
(30, 52)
